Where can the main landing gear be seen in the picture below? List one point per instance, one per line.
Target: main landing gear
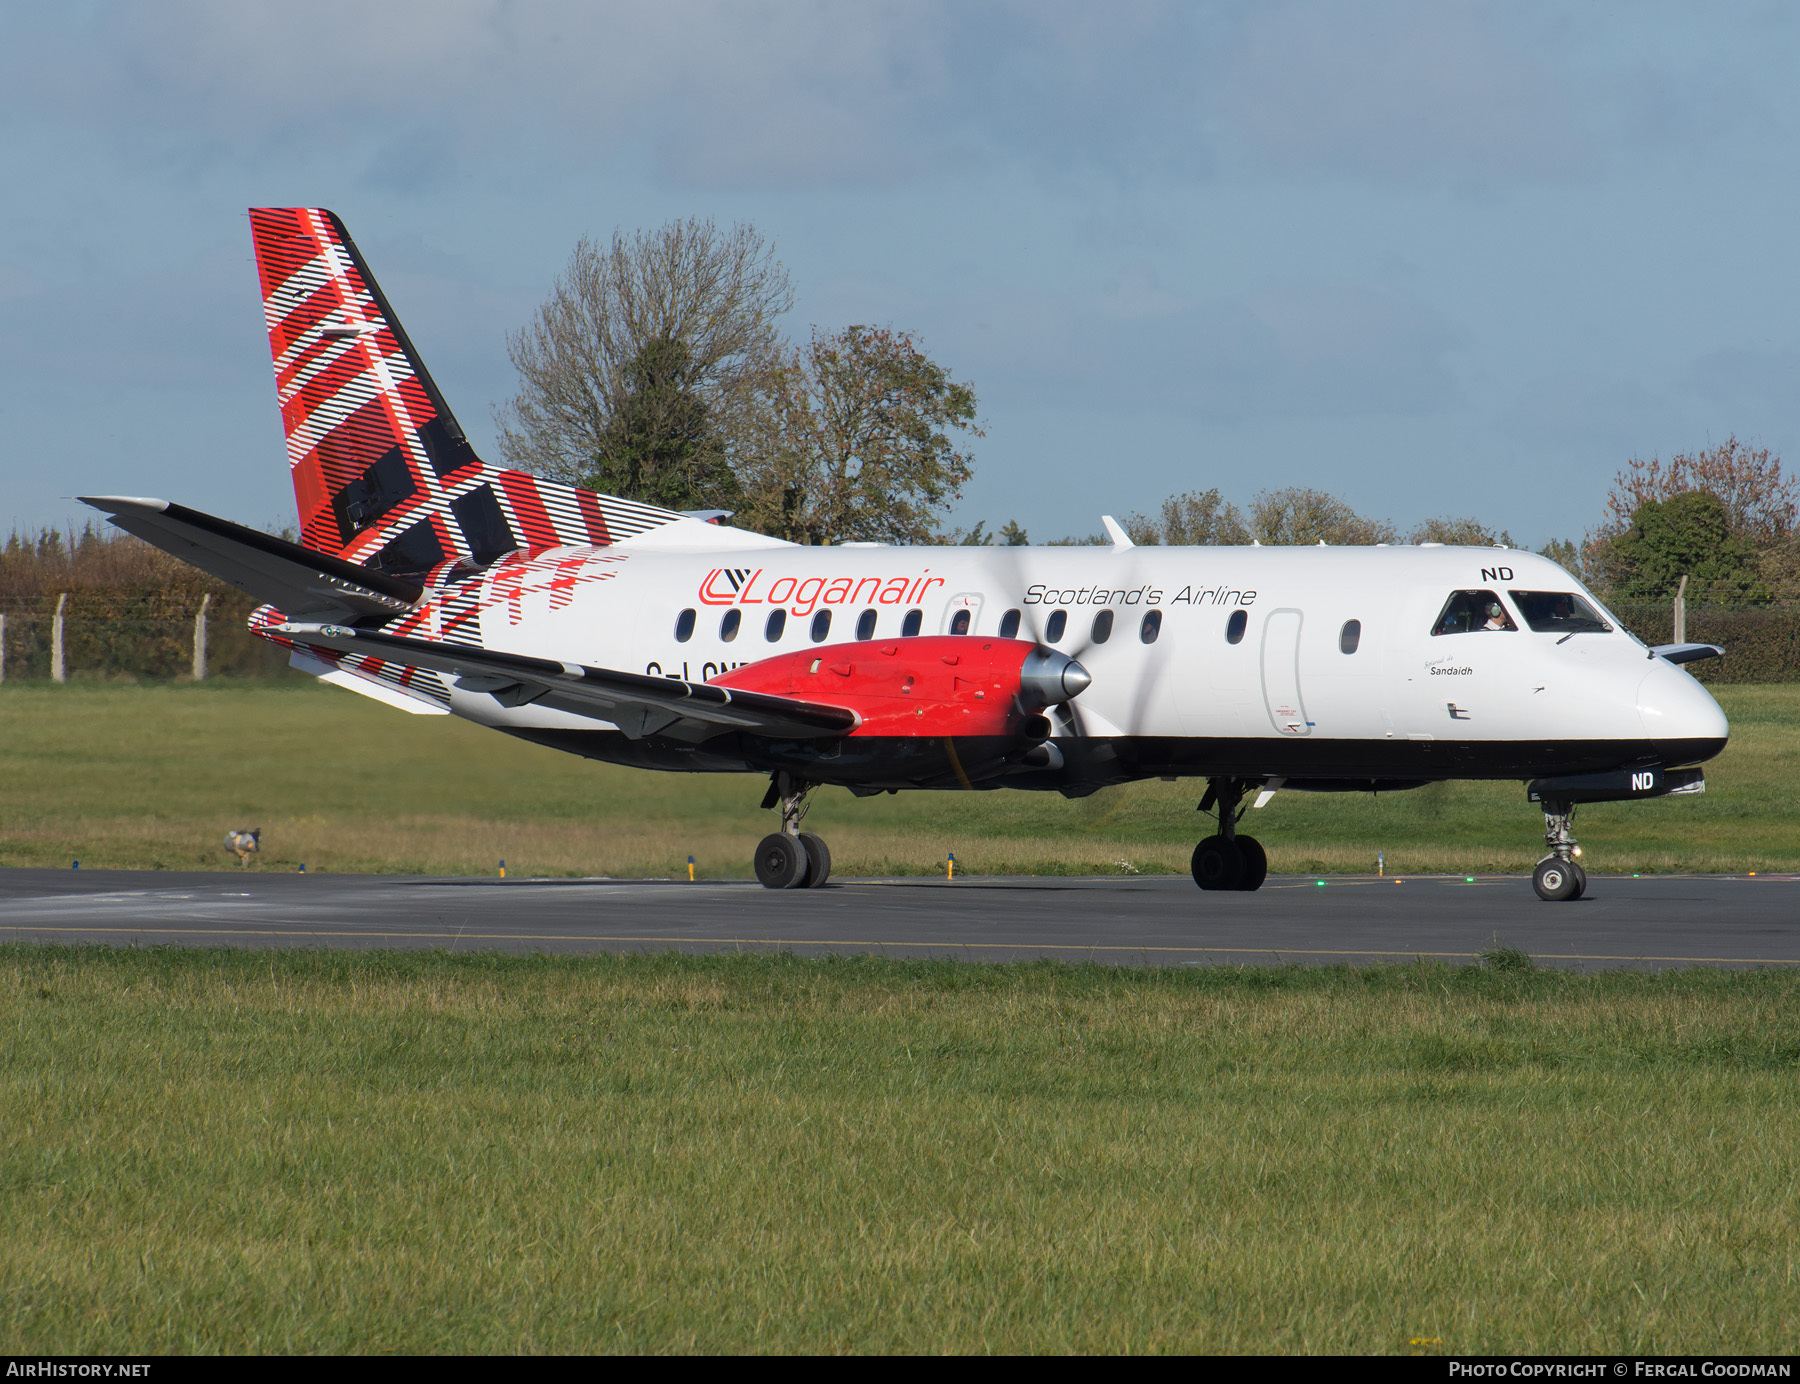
(791, 858)
(1559, 876)
(1227, 860)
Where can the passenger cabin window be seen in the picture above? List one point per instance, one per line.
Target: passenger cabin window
(912, 623)
(1559, 612)
(959, 622)
(1102, 627)
(1350, 636)
(684, 626)
(1054, 630)
(1009, 625)
(1235, 626)
(728, 627)
(777, 623)
(865, 625)
(821, 626)
(1469, 611)
(1151, 627)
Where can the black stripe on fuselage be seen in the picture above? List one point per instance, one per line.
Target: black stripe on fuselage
(910, 762)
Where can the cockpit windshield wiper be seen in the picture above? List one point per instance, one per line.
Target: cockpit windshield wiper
(1587, 627)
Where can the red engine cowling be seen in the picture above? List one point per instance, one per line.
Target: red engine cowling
(929, 685)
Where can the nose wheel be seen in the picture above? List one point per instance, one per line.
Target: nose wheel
(791, 858)
(1227, 860)
(1559, 876)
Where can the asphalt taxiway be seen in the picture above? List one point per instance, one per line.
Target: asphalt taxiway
(1655, 921)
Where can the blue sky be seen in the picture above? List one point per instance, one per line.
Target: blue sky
(1437, 258)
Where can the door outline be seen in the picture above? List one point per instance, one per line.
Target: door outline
(1281, 656)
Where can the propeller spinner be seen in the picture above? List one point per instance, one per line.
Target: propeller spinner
(1048, 678)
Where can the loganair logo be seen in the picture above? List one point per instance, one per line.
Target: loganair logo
(745, 586)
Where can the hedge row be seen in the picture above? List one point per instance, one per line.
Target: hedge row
(117, 638)
(1761, 645)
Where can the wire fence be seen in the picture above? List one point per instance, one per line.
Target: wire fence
(109, 637)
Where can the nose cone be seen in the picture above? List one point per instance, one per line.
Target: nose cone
(1679, 715)
(1047, 678)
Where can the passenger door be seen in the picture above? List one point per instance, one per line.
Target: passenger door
(1281, 672)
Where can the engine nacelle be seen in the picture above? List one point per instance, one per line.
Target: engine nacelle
(929, 685)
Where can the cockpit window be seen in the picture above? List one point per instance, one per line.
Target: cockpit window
(1559, 612)
(1467, 611)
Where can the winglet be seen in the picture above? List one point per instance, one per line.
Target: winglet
(1120, 539)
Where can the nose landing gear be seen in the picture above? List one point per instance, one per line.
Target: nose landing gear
(791, 858)
(1227, 860)
(1559, 876)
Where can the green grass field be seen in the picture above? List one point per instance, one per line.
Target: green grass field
(304, 1151)
(152, 776)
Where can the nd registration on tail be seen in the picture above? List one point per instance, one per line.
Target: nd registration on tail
(436, 583)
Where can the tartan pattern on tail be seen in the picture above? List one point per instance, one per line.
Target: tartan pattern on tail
(382, 472)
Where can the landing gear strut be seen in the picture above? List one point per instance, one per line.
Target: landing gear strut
(791, 858)
(1229, 861)
(1559, 876)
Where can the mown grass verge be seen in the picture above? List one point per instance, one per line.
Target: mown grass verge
(304, 1151)
(151, 777)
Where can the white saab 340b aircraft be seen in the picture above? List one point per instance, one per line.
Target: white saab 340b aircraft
(436, 583)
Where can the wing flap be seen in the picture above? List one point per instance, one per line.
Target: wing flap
(637, 703)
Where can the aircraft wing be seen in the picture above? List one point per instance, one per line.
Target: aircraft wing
(291, 578)
(1687, 653)
(638, 704)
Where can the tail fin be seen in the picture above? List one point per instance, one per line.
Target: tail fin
(383, 475)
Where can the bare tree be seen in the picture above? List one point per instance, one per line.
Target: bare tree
(856, 442)
(640, 372)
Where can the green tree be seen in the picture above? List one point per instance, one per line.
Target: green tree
(1760, 502)
(1295, 515)
(647, 363)
(1689, 535)
(1194, 518)
(660, 445)
(857, 442)
(1564, 554)
(1463, 533)
(1012, 536)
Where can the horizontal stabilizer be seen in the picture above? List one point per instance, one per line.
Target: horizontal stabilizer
(296, 580)
(637, 703)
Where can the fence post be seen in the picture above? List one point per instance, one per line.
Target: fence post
(200, 639)
(58, 673)
(1681, 612)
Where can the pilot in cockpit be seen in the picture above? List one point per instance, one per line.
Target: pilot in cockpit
(1466, 611)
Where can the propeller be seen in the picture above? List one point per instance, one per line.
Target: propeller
(1070, 678)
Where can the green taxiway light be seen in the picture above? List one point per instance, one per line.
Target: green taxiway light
(1321, 884)
(1468, 879)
